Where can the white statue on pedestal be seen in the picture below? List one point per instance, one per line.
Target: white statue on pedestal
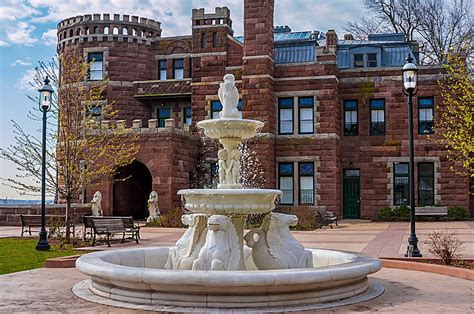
(153, 210)
(221, 251)
(96, 206)
(229, 97)
(188, 246)
(274, 247)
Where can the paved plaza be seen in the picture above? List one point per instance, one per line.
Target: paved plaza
(49, 290)
(382, 239)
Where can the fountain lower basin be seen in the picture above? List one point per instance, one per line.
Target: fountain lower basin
(230, 201)
(137, 276)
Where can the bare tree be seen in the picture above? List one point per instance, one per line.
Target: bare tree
(83, 150)
(439, 25)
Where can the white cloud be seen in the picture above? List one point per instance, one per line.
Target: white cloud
(20, 63)
(21, 34)
(4, 43)
(50, 37)
(16, 9)
(25, 79)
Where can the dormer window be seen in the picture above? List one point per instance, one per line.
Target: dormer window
(358, 60)
(371, 60)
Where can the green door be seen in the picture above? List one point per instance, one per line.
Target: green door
(351, 191)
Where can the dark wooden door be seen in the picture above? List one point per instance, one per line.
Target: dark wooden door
(351, 191)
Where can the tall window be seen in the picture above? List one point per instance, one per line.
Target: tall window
(203, 40)
(377, 117)
(163, 114)
(187, 115)
(214, 40)
(306, 115)
(178, 69)
(306, 174)
(351, 126)
(358, 60)
(285, 181)
(426, 183)
(285, 114)
(400, 182)
(372, 60)
(162, 70)
(425, 115)
(216, 108)
(96, 68)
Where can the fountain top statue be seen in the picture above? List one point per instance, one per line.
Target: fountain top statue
(229, 97)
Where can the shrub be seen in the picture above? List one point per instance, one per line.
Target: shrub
(403, 212)
(170, 219)
(445, 246)
(384, 213)
(458, 213)
(307, 218)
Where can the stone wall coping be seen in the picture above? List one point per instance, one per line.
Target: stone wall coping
(47, 206)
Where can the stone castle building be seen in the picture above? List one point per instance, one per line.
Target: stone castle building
(335, 134)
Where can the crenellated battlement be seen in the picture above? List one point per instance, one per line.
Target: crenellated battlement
(107, 27)
(221, 16)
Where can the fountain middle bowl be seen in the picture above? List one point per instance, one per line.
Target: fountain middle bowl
(230, 128)
(230, 201)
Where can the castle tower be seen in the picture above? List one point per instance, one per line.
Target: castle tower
(258, 78)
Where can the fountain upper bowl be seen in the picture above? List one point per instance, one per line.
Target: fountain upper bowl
(230, 201)
(230, 128)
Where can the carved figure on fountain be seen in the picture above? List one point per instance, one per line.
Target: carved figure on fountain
(221, 251)
(153, 209)
(234, 167)
(229, 97)
(223, 168)
(189, 245)
(96, 206)
(274, 247)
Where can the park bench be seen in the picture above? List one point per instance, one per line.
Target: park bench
(130, 227)
(431, 211)
(107, 227)
(326, 218)
(28, 221)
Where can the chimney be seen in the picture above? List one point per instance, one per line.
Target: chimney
(348, 37)
(331, 38)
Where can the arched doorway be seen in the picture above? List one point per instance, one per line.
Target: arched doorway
(130, 195)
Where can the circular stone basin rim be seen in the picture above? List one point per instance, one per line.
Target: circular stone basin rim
(100, 265)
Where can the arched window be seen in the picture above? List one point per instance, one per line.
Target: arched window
(150, 34)
(125, 31)
(106, 30)
(142, 33)
(96, 30)
(71, 33)
(87, 31)
(78, 32)
(115, 30)
(134, 32)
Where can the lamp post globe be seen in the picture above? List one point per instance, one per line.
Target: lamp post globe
(410, 78)
(45, 94)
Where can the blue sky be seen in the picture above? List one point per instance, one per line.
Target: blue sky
(28, 34)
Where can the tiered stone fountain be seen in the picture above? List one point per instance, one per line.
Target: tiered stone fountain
(211, 267)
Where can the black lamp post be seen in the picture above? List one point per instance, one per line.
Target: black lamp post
(410, 76)
(44, 105)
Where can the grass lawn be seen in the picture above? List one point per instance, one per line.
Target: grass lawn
(20, 254)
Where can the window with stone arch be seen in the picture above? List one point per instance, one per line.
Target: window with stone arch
(106, 30)
(78, 32)
(125, 31)
(115, 30)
